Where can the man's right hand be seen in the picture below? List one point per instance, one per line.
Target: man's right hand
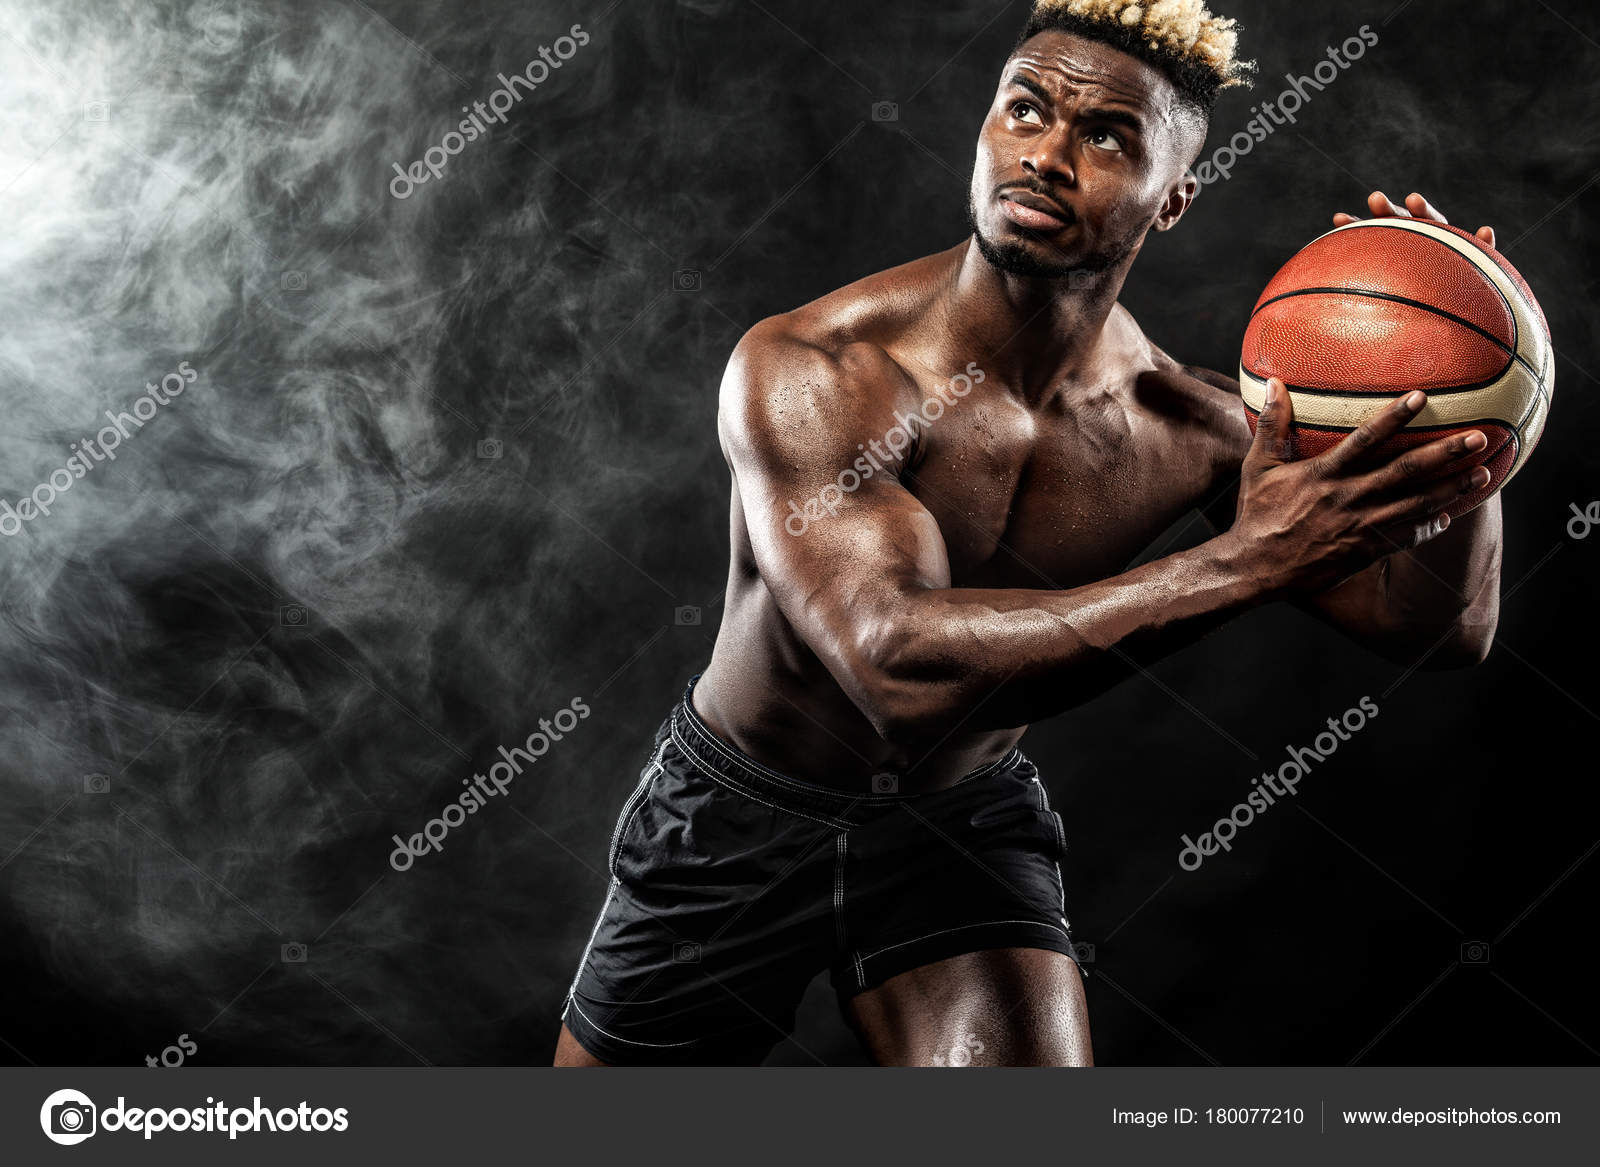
(1312, 523)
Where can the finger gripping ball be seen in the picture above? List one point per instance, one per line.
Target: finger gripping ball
(1380, 307)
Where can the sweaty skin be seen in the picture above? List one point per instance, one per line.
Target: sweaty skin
(976, 584)
(974, 581)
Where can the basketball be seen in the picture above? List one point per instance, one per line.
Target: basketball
(1379, 307)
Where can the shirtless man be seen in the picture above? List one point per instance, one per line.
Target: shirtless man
(939, 474)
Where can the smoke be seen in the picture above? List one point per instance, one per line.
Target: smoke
(395, 519)
(449, 461)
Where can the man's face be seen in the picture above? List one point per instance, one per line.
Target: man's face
(1077, 158)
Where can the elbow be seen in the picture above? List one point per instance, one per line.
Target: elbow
(1467, 645)
(894, 687)
(1462, 654)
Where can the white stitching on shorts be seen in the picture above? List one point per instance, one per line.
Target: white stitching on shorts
(963, 928)
(840, 850)
(626, 1041)
(838, 888)
(741, 761)
(738, 788)
(593, 932)
(631, 807)
(755, 769)
(1061, 838)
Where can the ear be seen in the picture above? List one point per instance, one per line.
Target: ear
(1179, 197)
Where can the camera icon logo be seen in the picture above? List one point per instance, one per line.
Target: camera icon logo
(886, 783)
(67, 1117)
(293, 953)
(220, 27)
(97, 784)
(97, 111)
(292, 615)
(686, 952)
(686, 617)
(1082, 952)
(686, 280)
(885, 111)
(292, 281)
(1079, 280)
(964, 1051)
(491, 448)
(1475, 952)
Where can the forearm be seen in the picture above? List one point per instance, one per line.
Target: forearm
(1445, 595)
(1436, 604)
(997, 658)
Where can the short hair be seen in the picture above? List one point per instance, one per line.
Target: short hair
(1195, 49)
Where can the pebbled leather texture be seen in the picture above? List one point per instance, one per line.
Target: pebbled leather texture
(1383, 306)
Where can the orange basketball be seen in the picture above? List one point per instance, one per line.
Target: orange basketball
(1380, 307)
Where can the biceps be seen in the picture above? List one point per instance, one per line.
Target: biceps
(838, 562)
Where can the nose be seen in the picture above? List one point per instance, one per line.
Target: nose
(1049, 160)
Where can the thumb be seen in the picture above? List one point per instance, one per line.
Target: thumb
(1273, 443)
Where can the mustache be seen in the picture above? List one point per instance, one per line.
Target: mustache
(1042, 189)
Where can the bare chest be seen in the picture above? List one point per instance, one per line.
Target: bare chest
(1060, 495)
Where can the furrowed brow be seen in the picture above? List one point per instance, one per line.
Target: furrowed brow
(1120, 117)
(1033, 87)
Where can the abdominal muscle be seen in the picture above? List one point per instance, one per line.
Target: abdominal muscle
(766, 694)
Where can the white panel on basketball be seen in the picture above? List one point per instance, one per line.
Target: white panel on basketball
(1519, 398)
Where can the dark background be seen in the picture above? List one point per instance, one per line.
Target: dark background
(327, 463)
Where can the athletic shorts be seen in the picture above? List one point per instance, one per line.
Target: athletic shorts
(733, 886)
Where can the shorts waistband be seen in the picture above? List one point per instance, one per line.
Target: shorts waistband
(842, 808)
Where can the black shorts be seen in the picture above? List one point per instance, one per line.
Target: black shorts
(733, 886)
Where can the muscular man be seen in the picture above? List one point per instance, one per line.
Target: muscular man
(939, 474)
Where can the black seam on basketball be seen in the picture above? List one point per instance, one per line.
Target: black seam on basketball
(1528, 416)
(1317, 391)
(1410, 303)
(1517, 425)
(1516, 331)
(1410, 429)
(1526, 300)
(1380, 395)
(1513, 433)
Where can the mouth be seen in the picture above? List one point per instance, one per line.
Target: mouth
(1035, 212)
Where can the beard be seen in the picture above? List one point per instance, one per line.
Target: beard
(1014, 257)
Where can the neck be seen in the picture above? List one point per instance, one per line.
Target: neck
(1028, 332)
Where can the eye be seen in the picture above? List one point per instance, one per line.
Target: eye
(1025, 111)
(1105, 140)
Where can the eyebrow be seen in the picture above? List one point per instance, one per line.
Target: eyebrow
(1032, 87)
(1118, 117)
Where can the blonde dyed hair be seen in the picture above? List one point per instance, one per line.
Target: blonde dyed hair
(1182, 35)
